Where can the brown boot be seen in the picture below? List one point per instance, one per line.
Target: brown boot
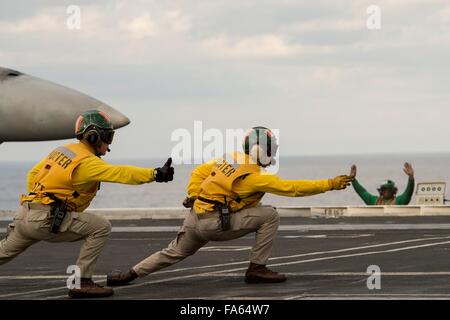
(257, 273)
(89, 289)
(119, 278)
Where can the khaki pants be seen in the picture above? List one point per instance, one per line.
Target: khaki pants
(197, 230)
(32, 224)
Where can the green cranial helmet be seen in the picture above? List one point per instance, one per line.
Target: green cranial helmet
(97, 122)
(92, 118)
(388, 184)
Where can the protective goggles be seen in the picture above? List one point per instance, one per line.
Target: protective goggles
(107, 136)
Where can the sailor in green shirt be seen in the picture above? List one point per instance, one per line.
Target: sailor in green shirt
(387, 190)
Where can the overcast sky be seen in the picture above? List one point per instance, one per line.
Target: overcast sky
(311, 69)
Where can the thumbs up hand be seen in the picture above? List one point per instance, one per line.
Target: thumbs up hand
(165, 173)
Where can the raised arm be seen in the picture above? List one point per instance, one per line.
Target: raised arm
(366, 196)
(405, 197)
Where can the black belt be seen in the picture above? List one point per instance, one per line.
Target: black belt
(224, 211)
(214, 202)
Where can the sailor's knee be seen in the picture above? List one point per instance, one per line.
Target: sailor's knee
(8, 251)
(107, 227)
(176, 254)
(9, 230)
(272, 214)
(104, 226)
(181, 248)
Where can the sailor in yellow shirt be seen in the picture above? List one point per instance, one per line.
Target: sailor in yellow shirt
(225, 197)
(61, 187)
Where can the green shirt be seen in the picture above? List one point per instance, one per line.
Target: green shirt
(371, 199)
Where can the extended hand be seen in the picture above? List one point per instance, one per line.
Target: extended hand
(165, 173)
(353, 171)
(340, 182)
(408, 169)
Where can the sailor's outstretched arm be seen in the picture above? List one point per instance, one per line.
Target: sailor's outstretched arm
(294, 188)
(94, 169)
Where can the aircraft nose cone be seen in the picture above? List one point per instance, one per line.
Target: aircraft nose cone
(34, 109)
(118, 119)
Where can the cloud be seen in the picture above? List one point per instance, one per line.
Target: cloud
(316, 25)
(269, 45)
(113, 33)
(48, 20)
(297, 65)
(140, 27)
(99, 21)
(262, 46)
(143, 26)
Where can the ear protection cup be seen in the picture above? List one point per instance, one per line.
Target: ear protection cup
(93, 137)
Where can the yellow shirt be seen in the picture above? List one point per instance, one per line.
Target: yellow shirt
(94, 169)
(259, 182)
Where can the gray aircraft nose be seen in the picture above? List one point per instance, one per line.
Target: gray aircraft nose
(34, 109)
(118, 119)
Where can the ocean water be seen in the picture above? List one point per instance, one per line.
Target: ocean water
(372, 169)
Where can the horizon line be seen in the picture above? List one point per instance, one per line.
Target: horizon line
(285, 156)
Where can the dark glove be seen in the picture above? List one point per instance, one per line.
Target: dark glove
(189, 202)
(165, 173)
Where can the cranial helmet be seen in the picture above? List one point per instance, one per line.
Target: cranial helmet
(94, 126)
(261, 145)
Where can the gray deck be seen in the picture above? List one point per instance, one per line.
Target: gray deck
(323, 259)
